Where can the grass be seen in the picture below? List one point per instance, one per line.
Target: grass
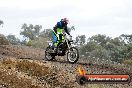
(128, 62)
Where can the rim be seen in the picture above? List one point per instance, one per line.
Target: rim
(48, 56)
(72, 56)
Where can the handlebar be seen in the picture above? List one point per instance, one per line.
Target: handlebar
(65, 35)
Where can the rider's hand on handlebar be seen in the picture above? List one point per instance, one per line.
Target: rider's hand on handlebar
(70, 36)
(64, 34)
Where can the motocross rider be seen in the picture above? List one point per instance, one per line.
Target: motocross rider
(57, 32)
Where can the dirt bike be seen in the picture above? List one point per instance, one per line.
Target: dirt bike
(64, 48)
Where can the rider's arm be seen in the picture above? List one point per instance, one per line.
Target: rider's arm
(66, 30)
(55, 29)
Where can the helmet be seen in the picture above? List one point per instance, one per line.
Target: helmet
(65, 20)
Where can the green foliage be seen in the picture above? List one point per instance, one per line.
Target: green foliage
(1, 22)
(71, 28)
(100, 53)
(126, 38)
(29, 43)
(99, 39)
(129, 54)
(3, 40)
(40, 42)
(80, 40)
(104, 47)
(128, 62)
(13, 40)
(34, 37)
(30, 31)
(46, 34)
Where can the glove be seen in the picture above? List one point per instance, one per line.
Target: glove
(70, 36)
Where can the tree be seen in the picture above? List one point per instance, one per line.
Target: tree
(100, 53)
(86, 49)
(102, 46)
(126, 38)
(13, 40)
(47, 33)
(40, 42)
(3, 40)
(71, 28)
(100, 39)
(27, 31)
(80, 40)
(30, 31)
(77, 39)
(1, 22)
(37, 29)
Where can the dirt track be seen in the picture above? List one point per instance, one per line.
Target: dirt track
(61, 75)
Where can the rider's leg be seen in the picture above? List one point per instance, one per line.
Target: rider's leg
(54, 39)
(60, 35)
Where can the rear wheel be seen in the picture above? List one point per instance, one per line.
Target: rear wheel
(48, 56)
(72, 55)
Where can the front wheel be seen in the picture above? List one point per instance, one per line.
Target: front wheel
(72, 55)
(48, 56)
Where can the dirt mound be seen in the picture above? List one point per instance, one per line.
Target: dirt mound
(17, 73)
(13, 76)
(22, 52)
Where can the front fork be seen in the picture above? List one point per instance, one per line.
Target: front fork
(68, 45)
